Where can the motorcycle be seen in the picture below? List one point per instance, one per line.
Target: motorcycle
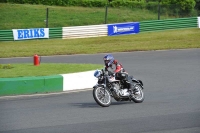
(108, 86)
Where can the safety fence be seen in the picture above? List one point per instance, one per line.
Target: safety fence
(168, 24)
(6, 35)
(84, 31)
(55, 33)
(99, 30)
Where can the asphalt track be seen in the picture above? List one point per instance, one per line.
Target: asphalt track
(172, 99)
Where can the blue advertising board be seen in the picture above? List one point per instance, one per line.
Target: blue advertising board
(123, 28)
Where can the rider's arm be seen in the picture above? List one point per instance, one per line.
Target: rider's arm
(118, 68)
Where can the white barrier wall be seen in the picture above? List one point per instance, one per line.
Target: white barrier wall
(199, 21)
(84, 31)
(81, 80)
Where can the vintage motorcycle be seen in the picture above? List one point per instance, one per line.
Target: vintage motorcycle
(108, 86)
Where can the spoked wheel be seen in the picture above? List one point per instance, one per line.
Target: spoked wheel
(102, 97)
(138, 95)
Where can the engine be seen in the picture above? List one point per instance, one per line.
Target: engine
(116, 91)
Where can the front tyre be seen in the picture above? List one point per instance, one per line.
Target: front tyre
(138, 94)
(103, 99)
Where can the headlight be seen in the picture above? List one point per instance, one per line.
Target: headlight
(97, 73)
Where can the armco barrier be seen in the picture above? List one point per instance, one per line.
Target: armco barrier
(155, 25)
(6, 35)
(84, 31)
(30, 85)
(101, 30)
(55, 33)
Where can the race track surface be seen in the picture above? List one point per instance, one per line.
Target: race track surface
(172, 99)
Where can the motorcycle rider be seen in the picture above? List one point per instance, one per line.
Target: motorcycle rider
(116, 69)
(112, 65)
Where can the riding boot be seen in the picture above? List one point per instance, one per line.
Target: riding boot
(130, 84)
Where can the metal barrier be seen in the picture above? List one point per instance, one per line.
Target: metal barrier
(84, 31)
(101, 30)
(55, 33)
(6, 35)
(178, 23)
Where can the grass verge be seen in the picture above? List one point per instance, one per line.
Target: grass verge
(169, 39)
(44, 69)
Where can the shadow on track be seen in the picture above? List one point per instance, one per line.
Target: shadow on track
(95, 105)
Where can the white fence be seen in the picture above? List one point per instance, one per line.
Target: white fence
(84, 31)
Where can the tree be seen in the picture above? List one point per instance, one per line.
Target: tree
(186, 6)
(197, 4)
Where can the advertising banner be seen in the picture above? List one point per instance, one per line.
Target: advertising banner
(123, 28)
(199, 21)
(22, 34)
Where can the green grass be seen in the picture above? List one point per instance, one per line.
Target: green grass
(16, 16)
(21, 70)
(169, 39)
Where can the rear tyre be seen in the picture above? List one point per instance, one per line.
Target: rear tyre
(102, 97)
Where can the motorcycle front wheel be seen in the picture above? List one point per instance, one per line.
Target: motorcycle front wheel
(138, 97)
(102, 96)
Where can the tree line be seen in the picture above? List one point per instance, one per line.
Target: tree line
(184, 6)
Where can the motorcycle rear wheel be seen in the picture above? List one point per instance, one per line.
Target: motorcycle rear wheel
(101, 98)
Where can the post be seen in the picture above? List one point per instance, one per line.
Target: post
(106, 13)
(47, 17)
(159, 10)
